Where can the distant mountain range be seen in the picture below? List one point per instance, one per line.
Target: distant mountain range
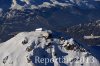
(59, 15)
(34, 4)
(87, 29)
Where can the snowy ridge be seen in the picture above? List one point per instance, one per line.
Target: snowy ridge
(32, 4)
(35, 4)
(22, 49)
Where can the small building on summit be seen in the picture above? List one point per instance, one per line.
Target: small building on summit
(39, 29)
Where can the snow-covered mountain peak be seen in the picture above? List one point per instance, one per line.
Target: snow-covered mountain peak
(35, 4)
(28, 48)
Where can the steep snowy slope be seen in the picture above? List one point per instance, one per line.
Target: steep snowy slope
(28, 48)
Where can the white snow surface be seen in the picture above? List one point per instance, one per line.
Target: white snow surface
(13, 52)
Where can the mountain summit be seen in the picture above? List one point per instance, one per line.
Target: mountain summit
(38, 48)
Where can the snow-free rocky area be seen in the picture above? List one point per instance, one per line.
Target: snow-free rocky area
(23, 49)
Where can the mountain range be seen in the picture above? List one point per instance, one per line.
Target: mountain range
(58, 15)
(34, 4)
(49, 32)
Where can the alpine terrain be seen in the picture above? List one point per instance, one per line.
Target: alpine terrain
(35, 48)
(49, 32)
